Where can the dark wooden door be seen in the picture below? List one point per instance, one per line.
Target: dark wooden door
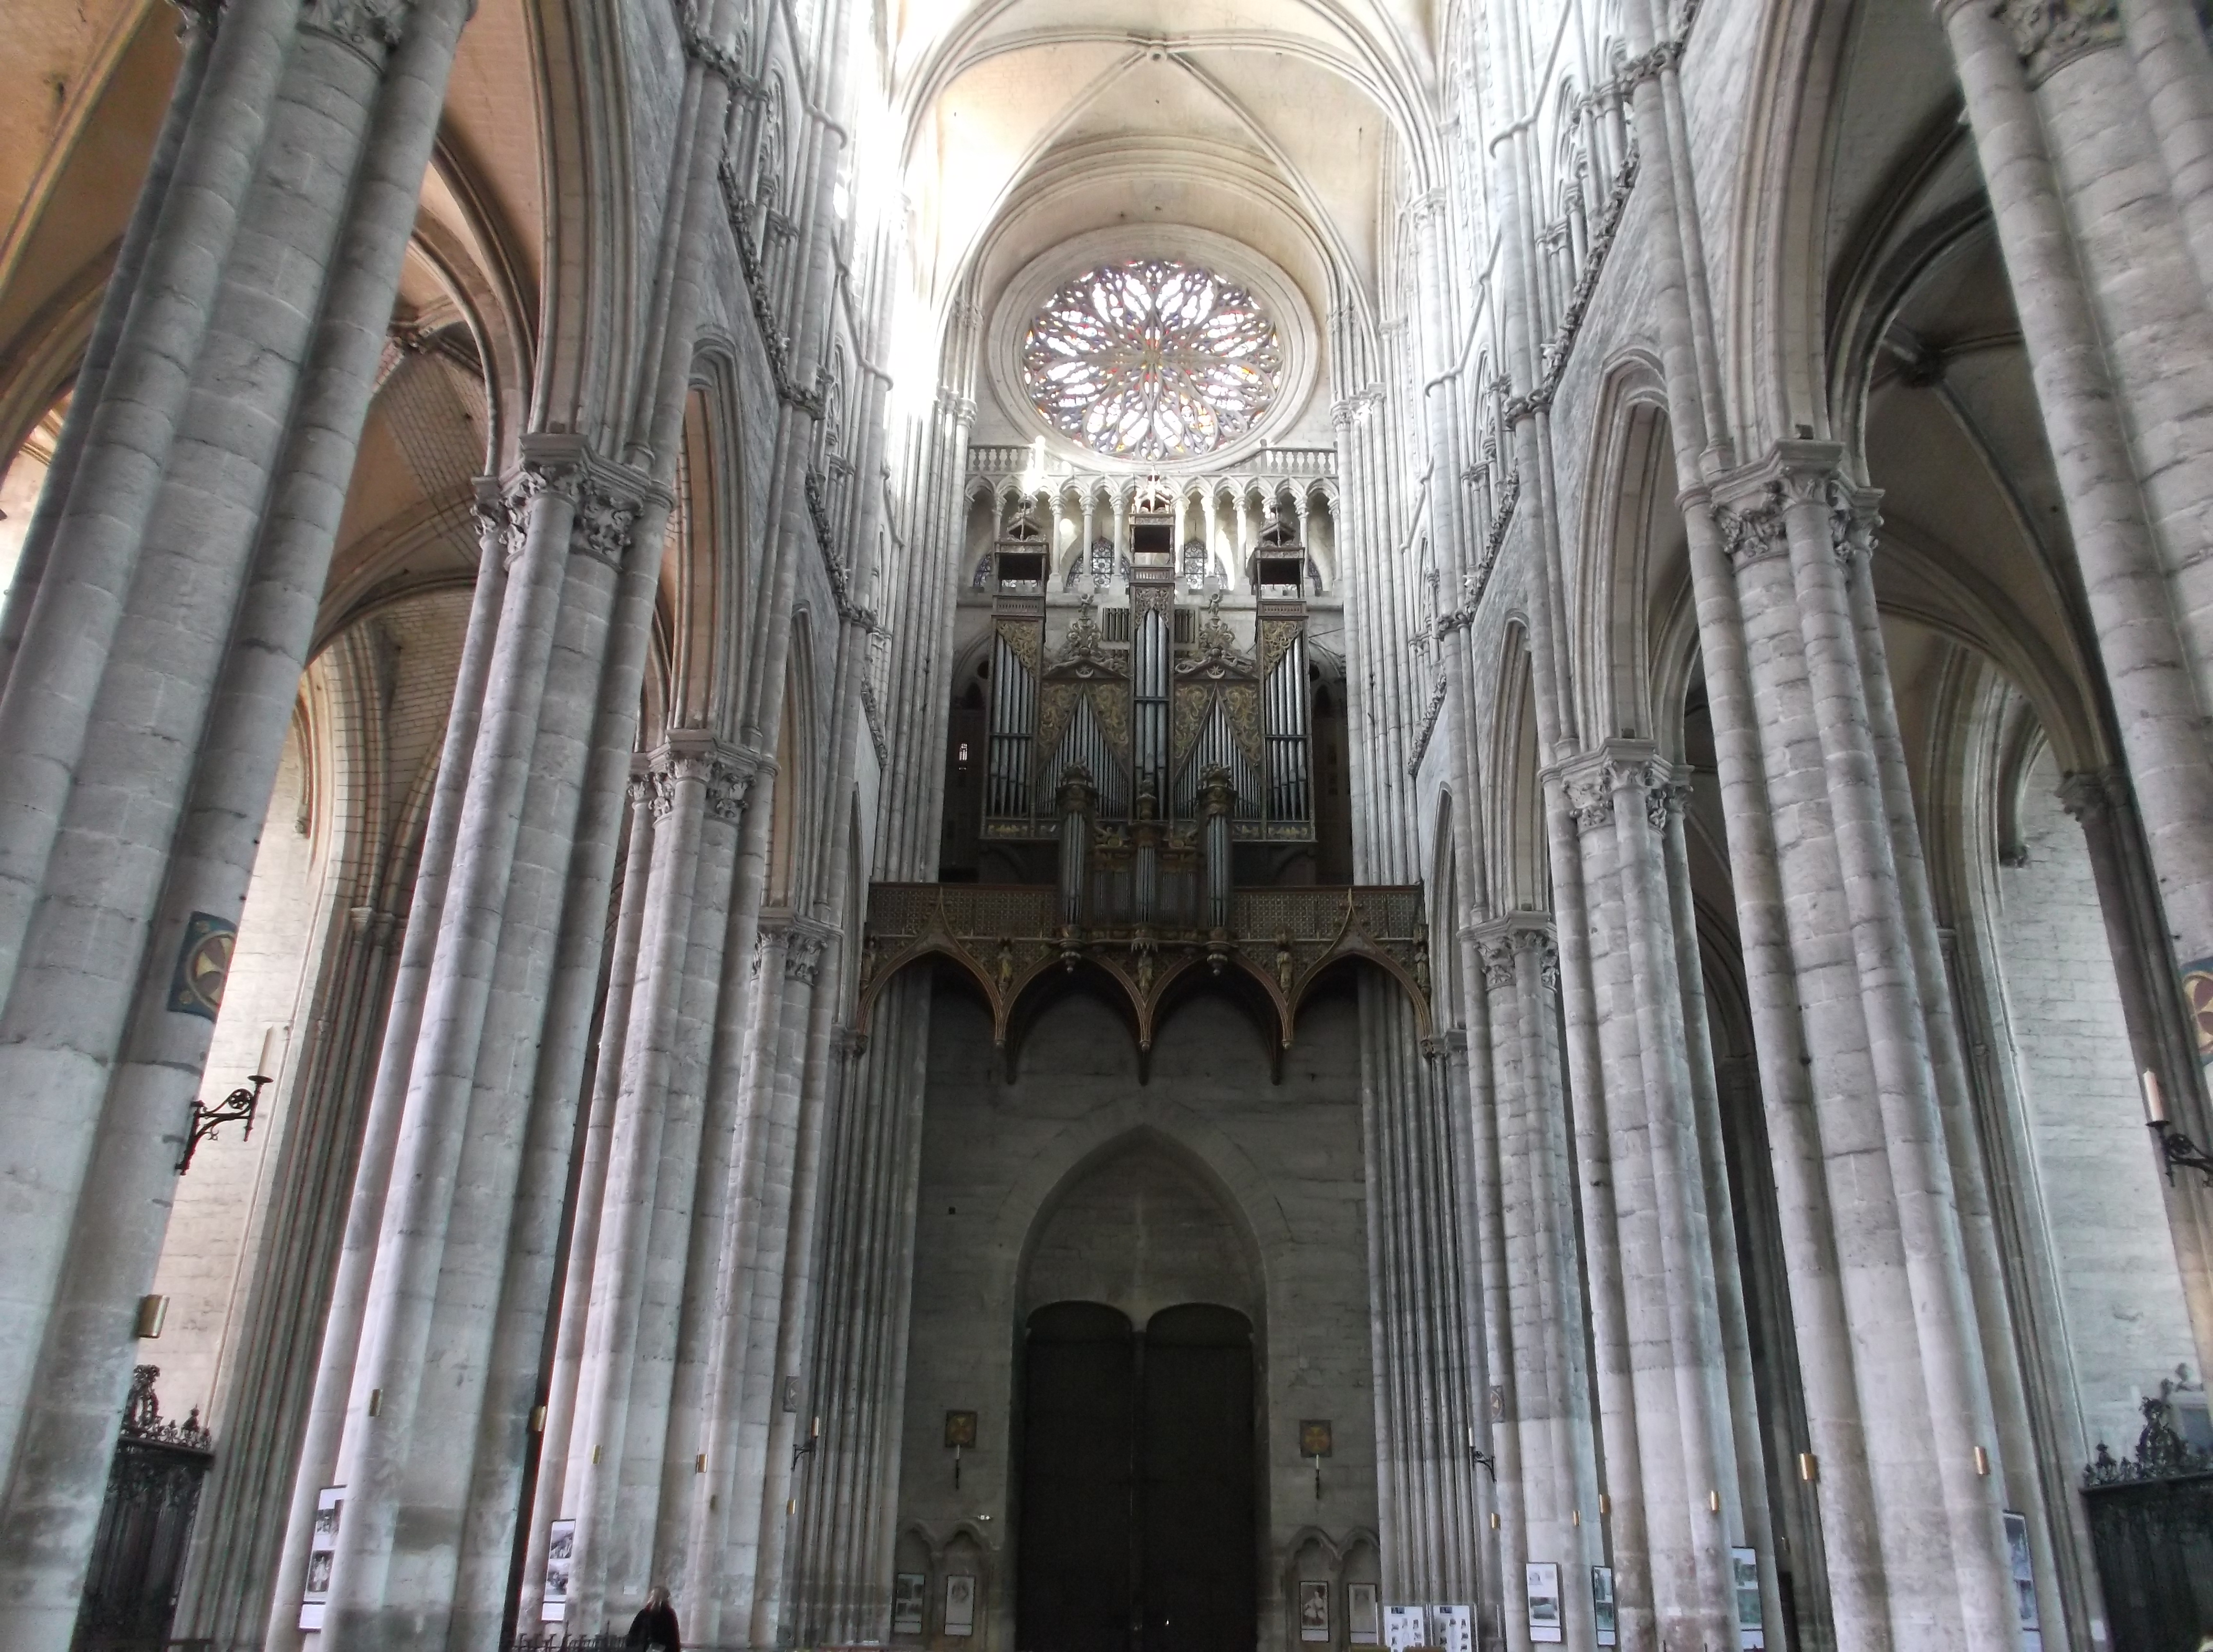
(1197, 1561)
(1137, 1525)
(1072, 1593)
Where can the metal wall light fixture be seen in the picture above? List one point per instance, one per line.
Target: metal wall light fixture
(2175, 1148)
(236, 1108)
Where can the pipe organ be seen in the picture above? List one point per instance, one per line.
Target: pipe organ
(1151, 697)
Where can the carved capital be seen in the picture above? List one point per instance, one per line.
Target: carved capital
(1539, 945)
(729, 779)
(1752, 531)
(2049, 34)
(1589, 803)
(371, 28)
(1497, 964)
(2088, 793)
(604, 519)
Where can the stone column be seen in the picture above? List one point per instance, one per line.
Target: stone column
(1919, 1373)
(197, 30)
(600, 1445)
(177, 750)
(1694, 1366)
(2092, 252)
(591, 1184)
(1583, 887)
(858, 1364)
(333, 1375)
(1547, 1404)
(2100, 803)
(129, 428)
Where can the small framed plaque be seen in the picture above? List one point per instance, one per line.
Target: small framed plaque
(908, 1589)
(1751, 1622)
(322, 1546)
(1315, 1438)
(1313, 1609)
(1602, 1614)
(960, 1604)
(1541, 1578)
(961, 1431)
(1364, 1619)
(560, 1557)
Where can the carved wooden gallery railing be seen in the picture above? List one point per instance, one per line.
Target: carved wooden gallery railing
(1009, 937)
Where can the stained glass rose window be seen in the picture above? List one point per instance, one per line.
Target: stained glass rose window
(1152, 359)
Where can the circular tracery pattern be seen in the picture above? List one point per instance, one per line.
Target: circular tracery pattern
(1152, 359)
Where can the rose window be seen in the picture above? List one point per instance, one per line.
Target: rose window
(1152, 359)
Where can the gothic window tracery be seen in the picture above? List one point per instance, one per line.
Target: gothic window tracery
(1152, 359)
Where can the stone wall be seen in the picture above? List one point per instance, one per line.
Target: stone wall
(1208, 1183)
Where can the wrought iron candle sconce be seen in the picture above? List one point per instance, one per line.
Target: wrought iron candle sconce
(2176, 1150)
(236, 1108)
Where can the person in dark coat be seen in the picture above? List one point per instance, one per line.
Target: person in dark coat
(654, 1629)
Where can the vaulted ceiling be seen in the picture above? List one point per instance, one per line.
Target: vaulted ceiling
(1030, 122)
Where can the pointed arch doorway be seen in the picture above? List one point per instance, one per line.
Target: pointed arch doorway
(1138, 1506)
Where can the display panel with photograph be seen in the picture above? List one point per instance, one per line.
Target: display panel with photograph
(1452, 1629)
(1751, 1623)
(960, 1604)
(1602, 1616)
(1542, 1580)
(2024, 1580)
(322, 1544)
(1404, 1627)
(560, 1561)
(908, 1589)
(1313, 1609)
(1363, 1617)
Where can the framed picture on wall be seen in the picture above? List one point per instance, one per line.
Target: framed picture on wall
(2024, 1580)
(322, 1544)
(1602, 1616)
(1751, 1624)
(960, 1604)
(560, 1557)
(1313, 1609)
(1542, 1580)
(908, 1591)
(1363, 1617)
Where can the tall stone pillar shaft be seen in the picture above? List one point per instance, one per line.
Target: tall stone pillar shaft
(2091, 247)
(145, 786)
(601, 1448)
(1920, 1371)
(1582, 888)
(342, 1324)
(596, 1141)
(1548, 1402)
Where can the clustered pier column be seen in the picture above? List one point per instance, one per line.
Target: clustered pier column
(166, 608)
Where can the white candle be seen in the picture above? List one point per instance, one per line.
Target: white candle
(2154, 1106)
(268, 1054)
